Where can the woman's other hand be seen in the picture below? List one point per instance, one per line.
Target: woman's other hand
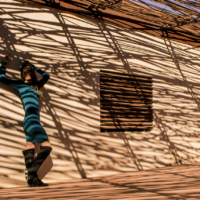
(6, 59)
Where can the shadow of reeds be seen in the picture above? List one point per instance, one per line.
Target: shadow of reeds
(177, 182)
(73, 50)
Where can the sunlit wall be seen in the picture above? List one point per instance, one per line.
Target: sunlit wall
(72, 50)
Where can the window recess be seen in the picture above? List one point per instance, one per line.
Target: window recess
(126, 102)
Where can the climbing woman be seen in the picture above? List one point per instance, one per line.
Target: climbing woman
(29, 88)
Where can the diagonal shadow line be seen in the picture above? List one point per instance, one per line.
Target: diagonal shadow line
(83, 66)
(79, 11)
(164, 137)
(70, 147)
(138, 189)
(118, 50)
(131, 153)
(175, 59)
(175, 149)
(65, 140)
(9, 42)
(85, 12)
(116, 47)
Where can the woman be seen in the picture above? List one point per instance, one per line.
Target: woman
(29, 90)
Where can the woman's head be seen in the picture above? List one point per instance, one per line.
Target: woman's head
(28, 74)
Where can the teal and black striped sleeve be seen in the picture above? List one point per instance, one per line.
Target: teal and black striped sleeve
(45, 76)
(6, 81)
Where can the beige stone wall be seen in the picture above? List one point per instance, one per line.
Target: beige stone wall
(73, 50)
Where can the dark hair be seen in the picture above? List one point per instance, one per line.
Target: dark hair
(35, 81)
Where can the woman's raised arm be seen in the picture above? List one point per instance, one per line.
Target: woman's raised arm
(3, 79)
(45, 76)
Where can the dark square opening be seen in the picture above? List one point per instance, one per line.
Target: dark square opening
(126, 102)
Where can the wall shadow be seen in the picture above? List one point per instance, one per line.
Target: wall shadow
(73, 50)
(177, 182)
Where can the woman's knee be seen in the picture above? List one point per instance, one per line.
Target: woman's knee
(29, 145)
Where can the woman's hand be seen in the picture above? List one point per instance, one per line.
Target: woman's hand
(6, 59)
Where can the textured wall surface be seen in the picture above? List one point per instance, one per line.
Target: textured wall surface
(73, 50)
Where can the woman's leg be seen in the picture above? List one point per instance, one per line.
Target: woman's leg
(46, 144)
(45, 150)
(32, 165)
(29, 145)
(28, 154)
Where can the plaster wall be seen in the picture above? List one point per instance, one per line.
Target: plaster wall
(72, 50)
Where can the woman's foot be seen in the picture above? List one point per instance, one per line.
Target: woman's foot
(38, 183)
(33, 180)
(32, 165)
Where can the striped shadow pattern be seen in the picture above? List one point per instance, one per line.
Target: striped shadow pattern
(126, 102)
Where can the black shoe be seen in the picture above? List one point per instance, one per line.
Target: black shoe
(29, 159)
(32, 179)
(38, 183)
